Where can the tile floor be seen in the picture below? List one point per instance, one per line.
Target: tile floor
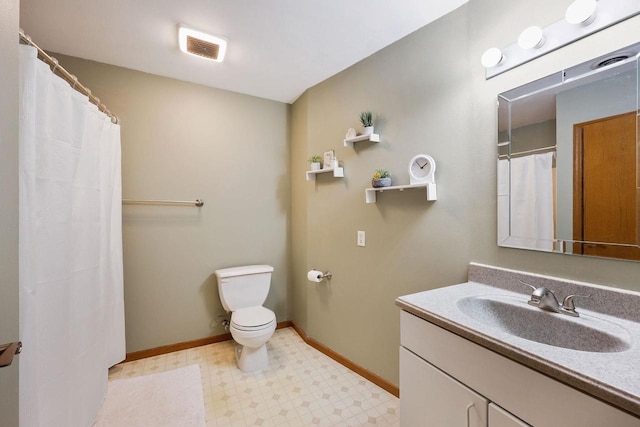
(301, 387)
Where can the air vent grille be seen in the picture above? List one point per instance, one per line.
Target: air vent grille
(612, 60)
(202, 48)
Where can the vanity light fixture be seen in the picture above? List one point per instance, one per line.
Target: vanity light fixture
(582, 18)
(492, 57)
(581, 12)
(531, 38)
(202, 45)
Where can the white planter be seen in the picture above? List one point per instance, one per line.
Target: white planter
(368, 130)
(315, 166)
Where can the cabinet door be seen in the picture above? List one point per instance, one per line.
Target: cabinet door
(429, 397)
(498, 417)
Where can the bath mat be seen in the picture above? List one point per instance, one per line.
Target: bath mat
(171, 398)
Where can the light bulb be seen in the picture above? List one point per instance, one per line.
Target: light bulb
(492, 57)
(581, 12)
(531, 38)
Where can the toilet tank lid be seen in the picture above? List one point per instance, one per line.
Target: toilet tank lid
(244, 270)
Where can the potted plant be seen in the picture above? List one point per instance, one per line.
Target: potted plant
(381, 178)
(315, 162)
(366, 118)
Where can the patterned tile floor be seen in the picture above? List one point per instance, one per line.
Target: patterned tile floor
(301, 387)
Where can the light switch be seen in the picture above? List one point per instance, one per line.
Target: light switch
(360, 238)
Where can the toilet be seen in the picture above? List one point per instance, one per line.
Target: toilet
(242, 291)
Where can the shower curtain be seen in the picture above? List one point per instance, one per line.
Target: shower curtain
(525, 197)
(71, 285)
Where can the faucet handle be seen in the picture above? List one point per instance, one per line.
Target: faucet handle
(568, 307)
(568, 304)
(526, 284)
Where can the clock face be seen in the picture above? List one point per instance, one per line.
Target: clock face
(421, 169)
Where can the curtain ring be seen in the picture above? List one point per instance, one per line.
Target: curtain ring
(55, 64)
(75, 81)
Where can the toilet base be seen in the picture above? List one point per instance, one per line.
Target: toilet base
(252, 359)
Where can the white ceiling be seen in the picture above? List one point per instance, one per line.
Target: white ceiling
(277, 48)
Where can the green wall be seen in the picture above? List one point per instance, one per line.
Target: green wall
(299, 211)
(182, 141)
(9, 205)
(431, 96)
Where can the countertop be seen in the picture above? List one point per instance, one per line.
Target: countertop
(611, 377)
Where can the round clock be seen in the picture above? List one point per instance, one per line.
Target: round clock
(422, 169)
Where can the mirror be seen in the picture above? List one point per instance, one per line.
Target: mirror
(568, 174)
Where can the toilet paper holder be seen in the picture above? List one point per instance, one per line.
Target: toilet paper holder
(325, 275)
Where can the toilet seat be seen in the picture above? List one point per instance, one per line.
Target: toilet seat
(252, 318)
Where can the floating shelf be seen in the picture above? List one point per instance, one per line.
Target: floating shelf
(374, 137)
(370, 193)
(338, 172)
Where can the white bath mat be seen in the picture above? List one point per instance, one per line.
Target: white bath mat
(171, 398)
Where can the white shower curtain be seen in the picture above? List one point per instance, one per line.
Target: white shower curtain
(530, 201)
(503, 201)
(71, 286)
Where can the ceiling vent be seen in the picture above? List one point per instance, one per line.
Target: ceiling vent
(202, 45)
(203, 48)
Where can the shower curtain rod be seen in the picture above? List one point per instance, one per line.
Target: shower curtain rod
(521, 153)
(70, 78)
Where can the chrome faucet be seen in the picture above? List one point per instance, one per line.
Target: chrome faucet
(545, 299)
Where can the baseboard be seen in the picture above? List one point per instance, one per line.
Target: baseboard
(157, 351)
(360, 370)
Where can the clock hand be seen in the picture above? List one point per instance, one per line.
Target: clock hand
(422, 166)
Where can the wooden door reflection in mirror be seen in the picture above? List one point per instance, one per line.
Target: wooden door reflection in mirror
(605, 195)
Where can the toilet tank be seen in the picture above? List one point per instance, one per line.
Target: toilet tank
(242, 287)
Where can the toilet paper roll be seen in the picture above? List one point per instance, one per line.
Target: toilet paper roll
(315, 276)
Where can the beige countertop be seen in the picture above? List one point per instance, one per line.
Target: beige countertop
(612, 377)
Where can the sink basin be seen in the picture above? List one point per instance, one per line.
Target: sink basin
(514, 316)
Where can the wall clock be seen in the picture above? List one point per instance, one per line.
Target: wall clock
(422, 169)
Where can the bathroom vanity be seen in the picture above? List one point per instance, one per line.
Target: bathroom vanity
(478, 354)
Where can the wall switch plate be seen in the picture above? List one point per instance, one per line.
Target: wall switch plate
(360, 238)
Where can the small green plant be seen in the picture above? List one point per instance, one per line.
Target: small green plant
(381, 173)
(366, 118)
(315, 159)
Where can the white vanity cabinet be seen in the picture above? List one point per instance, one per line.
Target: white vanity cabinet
(430, 397)
(447, 380)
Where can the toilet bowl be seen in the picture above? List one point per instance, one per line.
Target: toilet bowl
(251, 328)
(242, 291)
